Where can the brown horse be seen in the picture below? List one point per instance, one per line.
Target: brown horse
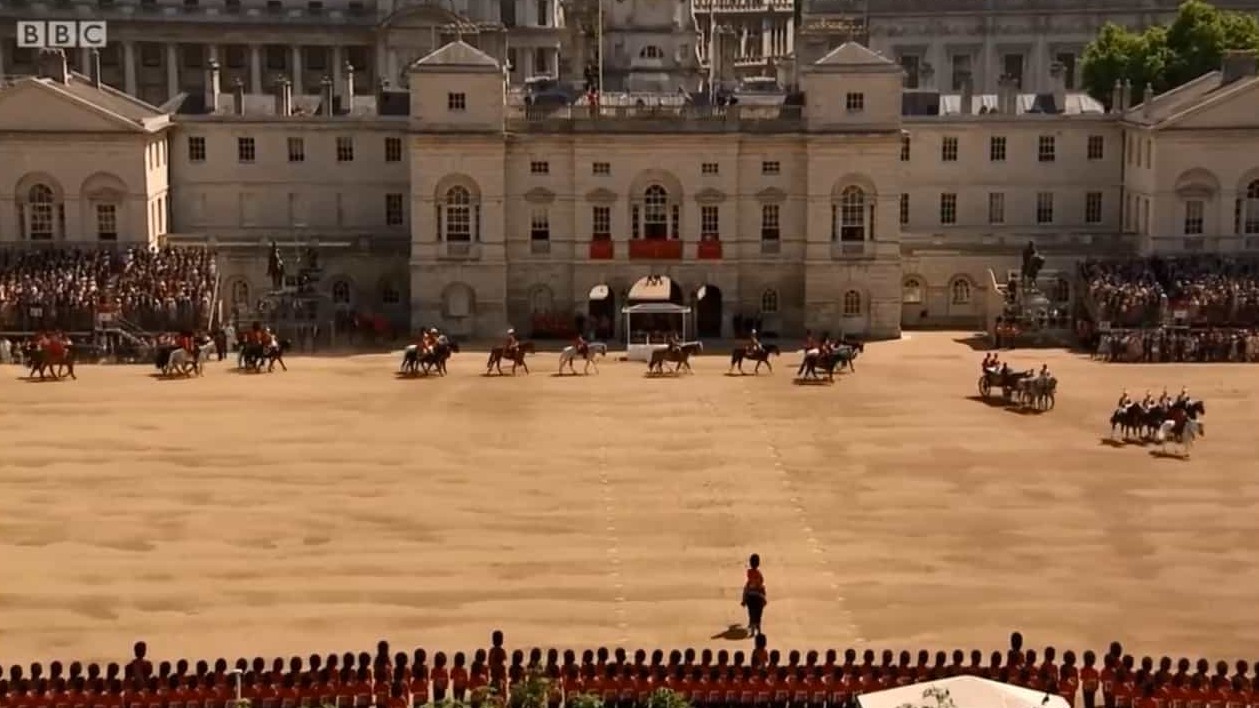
(517, 358)
(55, 363)
(679, 356)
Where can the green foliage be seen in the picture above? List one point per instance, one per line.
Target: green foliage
(665, 698)
(584, 700)
(533, 692)
(1165, 56)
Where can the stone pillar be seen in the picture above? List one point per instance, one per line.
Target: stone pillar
(767, 37)
(394, 72)
(297, 70)
(129, 67)
(382, 62)
(791, 36)
(338, 79)
(172, 70)
(255, 68)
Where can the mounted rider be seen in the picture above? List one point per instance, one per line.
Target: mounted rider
(511, 344)
(1182, 398)
(1148, 402)
(754, 345)
(428, 340)
(1044, 372)
(811, 347)
(672, 342)
(1124, 401)
(580, 346)
(1164, 400)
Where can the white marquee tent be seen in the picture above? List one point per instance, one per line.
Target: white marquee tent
(964, 692)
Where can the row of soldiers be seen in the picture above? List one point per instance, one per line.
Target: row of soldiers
(1149, 402)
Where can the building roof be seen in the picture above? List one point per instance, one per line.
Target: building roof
(1076, 104)
(457, 54)
(1206, 91)
(852, 54)
(112, 104)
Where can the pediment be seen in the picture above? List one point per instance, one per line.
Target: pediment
(420, 16)
(31, 107)
(771, 194)
(540, 195)
(601, 195)
(708, 195)
(1237, 109)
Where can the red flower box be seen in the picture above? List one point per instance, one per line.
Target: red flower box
(655, 250)
(708, 250)
(601, 250)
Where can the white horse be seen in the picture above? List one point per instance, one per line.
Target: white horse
(181, 362)
(593, 349)
(1193, 429)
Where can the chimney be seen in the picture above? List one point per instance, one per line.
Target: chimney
(95, 59)
(238, 96)
(283, 97)
(1239, 65)
(326, 96)
(348, 92)
(213, 87)
(1058, 78)
(1125, 97)
(967, 98)
(1147, 98)
(1116, 97)
(52, 65)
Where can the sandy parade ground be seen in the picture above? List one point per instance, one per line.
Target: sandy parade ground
(333, 505)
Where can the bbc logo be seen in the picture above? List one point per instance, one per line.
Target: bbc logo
(60, 34)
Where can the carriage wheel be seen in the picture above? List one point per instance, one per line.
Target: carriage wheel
(985, 386)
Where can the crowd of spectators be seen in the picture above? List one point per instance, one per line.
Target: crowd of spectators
(1163, 345)
(1199, 290)
(64, 289)
(761, 678)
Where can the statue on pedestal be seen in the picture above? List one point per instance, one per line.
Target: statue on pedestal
(275, 267)
(1032, 263)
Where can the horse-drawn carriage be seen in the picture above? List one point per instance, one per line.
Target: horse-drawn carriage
(1004, 378)
(1022, 387)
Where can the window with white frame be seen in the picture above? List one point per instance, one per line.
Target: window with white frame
(905, 147)
(948, 149)
(393, 149)
(769, 302)
(457, 211)
(456, 102)
(996, 208)
(196, 149)
(1093, 208)
(1046, 148)
(601, 223)
(1195, 216)
(854, 102)
(1044, 207)
(710, 222)
(540, 225)
(771, 167)
(539, 167)
(770, 225)
(601, 168)
(245, 150)
(107, 222)
(1249, 216)
(911, 292)
(345, 149)
(297, 149)
(394, 212)
(852, 215)
(1096, 147)
(904, 209)
(852, 304)
(960, 291)
(39, 209)
(708, 168)
(996, 148)
(948, 208)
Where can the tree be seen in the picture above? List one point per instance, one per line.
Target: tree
(1165, 56)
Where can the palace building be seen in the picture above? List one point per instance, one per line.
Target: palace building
(851, 205)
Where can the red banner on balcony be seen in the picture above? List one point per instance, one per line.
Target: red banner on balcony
(708, 250)
(655, 250)
(601, 250)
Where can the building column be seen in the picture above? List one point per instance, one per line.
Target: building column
(296, 66)
(172, 70)
(212, 53)
(338, 77)
(255, 69)
(129, 67)
(382, 62)
(1039, 64)
(791, 36)
(767, 37)
(394, 72)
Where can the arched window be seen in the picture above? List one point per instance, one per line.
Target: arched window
(41, 205)
(1250, 212)
(769, 302)
(341, 293)
(911, 292)
(457, 222)
(656, 215)
(651, 51)
(240, 293)
(852, 226)
(852, 304)
(960, 290)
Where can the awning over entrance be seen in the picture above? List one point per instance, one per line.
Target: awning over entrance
(653, 288)
(599, 292)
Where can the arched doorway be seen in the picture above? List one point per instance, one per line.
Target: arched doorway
(708, 312)
(601, 311)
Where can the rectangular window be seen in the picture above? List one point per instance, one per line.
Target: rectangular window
(1195, 209)
(393, 210)
(708, 168)
(245, 150)
(770, 225)
(540, 225)
(393, 149)
(277, 58)
(456, 102)
(1097, 147)
(315, 58)
(297, 149)
(601, 223)
(196, 149)
(539, 167)
(855, 102)
(996, 148)
(1044, 207)
(948, 149)
(345, 149)
(710, 222)
(771, 167)
(948, 208)
(544, 13)
(106, 222)
(996, 207)
(961, 70)
(905, 148)
(1093, 208)
(1045, 148)
(904, 209)
(1067, 59)
(1012, 65)
(912, 65)
(601, 168)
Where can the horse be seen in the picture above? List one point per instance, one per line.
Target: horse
(413, 362)
(56, 363)
(1038, 392)
(592, 350)
(1189, 429)
(679, 356)
(254, 355)
(495, 362)
(180, 361)
(760, 356)
(842, 356)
